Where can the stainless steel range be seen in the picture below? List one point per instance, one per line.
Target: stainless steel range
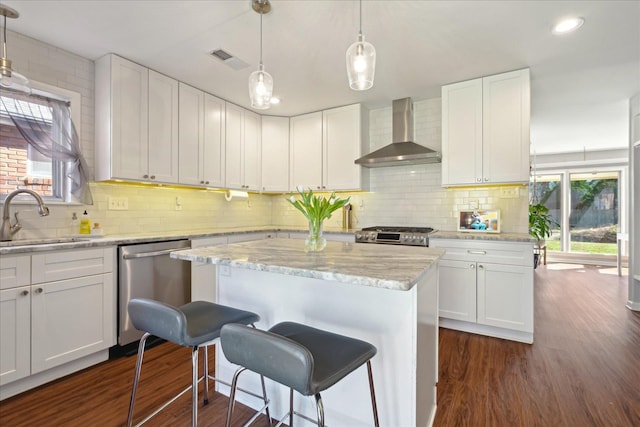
(411, 236)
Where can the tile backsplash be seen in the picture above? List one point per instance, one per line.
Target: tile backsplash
(403, 195)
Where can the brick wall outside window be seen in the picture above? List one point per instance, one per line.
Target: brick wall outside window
(13, 164)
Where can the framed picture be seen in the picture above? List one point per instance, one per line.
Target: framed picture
(479, 221)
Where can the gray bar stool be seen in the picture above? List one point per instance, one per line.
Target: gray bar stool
(300, 357)
(196, 324)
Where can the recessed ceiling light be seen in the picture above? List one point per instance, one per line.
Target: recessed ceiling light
(274, 100)
(567, 25)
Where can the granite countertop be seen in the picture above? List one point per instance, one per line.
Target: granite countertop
(497, 237)
(382, 266)
(88, 241)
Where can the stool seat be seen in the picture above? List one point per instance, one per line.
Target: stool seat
(189, 325)
(303, 358)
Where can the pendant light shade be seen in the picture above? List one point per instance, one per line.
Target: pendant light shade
(361, 62)
(9, 78)
(260, 82)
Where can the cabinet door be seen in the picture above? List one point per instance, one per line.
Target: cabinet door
(505, 296)
(129, 119)
(163, 128)
(306, 151)
(203, 275)
(15, 332)
(214, 142)
(341, 136)
(251, 151)
(191, 134)
(71, 319)
(462, 133)
(505, 142)
(275, 153)
(233, 152)
(457, 290)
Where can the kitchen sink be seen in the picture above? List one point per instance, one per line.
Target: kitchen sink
(48, 241)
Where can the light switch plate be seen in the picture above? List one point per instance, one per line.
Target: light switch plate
(509, 192)
(118, 203)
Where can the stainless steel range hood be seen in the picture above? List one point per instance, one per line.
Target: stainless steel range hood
(402, 151)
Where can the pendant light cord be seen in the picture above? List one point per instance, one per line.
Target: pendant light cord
(4, 38)
(360, 32)
(261, 39)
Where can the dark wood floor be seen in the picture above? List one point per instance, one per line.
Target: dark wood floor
(582, 370)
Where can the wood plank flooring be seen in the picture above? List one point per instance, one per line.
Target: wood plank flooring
(582, 370)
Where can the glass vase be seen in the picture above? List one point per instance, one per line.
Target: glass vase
(316, 241)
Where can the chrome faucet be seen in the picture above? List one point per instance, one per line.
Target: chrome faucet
(8, 230)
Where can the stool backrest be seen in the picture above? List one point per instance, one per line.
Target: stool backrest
(274, 356)
(162, 320)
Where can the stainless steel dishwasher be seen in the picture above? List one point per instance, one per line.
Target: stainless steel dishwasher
(147, 271)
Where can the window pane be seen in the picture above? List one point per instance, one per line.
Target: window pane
(547, 190)
(21, 165)
(593, 219)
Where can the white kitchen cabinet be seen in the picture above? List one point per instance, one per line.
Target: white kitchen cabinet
(136, 122)
(243, 140)
(15, 333)
(62, 320)
(324, 146)
(163, 128)
(486, 287)
(213, 151)
(191, 134)
(275, 154)
(306, 151)
(486, 130)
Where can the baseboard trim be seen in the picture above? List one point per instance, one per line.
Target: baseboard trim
(491, 331)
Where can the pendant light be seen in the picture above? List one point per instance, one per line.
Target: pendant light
(8, 78)
(361, 62)
(260, 82)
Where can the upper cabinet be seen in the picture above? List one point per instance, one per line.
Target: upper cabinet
(324, 146)
(485, 130)
(202, 138)
(275, 154)
(136, 122)
(243, 141)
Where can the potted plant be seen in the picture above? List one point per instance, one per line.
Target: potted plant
(540, 223)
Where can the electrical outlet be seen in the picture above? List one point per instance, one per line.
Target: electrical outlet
(178, 203)
(509, 192)
(118, 203)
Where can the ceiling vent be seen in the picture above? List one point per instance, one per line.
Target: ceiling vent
(228, 59)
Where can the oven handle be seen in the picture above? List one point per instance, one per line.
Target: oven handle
(151, 254)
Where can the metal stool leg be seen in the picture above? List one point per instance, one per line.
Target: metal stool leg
(194, 386)
(206, 375)
(320, 408)
(290, 407)
(232, 395)
(136, 377)
(376, 422)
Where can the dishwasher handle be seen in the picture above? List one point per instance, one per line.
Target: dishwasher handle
(151, 254)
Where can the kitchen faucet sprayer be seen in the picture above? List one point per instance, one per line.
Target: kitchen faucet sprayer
(7, 231)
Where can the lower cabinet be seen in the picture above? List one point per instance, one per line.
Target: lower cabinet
(203, 275)
(486, 287)
(60, 321)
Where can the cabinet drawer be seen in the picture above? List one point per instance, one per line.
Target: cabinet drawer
(15, 270)
(509, 253)
(61, 265)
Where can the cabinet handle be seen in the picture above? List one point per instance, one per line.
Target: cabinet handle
(478, 179)
(24, 293)
(472, 266)
(480, 266)
(39, 291)
(207, 182)
(153, 177)
(486, 179)
(476, 252)
(318, 187)
(145, 176)
(201, 182)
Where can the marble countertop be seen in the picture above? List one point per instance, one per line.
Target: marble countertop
(504, 237)
(88, 241)
(383, 266)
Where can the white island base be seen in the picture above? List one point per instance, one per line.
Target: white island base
(403, 325)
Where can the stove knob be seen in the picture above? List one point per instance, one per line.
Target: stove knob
(358, 235)
(413, 237)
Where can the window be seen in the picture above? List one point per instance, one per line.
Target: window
(23, 165)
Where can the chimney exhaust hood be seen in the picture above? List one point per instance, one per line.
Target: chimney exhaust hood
(402, 151)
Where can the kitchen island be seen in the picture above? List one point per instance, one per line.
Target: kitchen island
(383, 294)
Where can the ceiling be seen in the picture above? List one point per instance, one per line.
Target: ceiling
(580, 82)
